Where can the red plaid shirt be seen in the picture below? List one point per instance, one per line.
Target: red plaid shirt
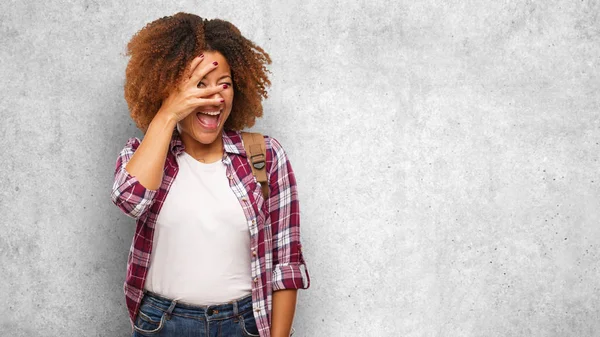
(274, 224)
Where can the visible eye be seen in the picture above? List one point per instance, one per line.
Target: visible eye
(228, 84)
(201, 84)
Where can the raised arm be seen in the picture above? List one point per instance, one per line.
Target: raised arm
(139, 168)
(148, 161)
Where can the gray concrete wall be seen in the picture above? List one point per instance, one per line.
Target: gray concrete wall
(447, 154)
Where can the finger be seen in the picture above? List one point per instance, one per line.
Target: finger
(201, 71)
(207, 92)
(194, 64)
(207, 101)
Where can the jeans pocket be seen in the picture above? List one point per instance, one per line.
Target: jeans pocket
(248, 324)
(150, 320)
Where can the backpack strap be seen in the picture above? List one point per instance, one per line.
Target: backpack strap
(256, 151)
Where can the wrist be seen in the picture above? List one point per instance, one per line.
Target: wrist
(276, 333)
(165, 119)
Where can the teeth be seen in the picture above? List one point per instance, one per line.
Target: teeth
(212, 113)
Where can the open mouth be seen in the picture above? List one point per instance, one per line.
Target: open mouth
(210, 120)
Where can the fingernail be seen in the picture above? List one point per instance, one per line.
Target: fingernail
(215, 63)
(225, 86)
(222, 100)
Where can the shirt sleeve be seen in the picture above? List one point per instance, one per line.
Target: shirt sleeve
(127, 193)
(289, 268)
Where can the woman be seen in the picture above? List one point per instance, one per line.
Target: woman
(210, 256)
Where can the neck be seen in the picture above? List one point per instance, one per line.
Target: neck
(206, 153)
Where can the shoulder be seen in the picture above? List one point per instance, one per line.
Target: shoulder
(271, 143)
(131, 145)
(127, 152)
(276, 155)
(133, 142)
(275, 147)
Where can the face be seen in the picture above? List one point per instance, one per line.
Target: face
(193, 125)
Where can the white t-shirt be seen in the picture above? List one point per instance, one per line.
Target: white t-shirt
(201, 248)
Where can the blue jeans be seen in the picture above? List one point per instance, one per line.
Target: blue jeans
(159, 316)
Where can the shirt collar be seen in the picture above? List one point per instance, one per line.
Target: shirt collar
(232, 142)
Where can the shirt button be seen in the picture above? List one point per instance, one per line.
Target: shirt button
(254, 221)
(253, 253)
(257, 310)
(229, 176)
(256, 280)
(244, 199)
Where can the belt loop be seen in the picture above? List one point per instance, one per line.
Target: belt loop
(170, 310)
(235, 308)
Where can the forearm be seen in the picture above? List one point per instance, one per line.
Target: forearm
(282, 316)
(148, 161)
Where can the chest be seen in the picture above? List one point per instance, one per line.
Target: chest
(236, 174)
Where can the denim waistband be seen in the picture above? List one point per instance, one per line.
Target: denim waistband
(213, 312)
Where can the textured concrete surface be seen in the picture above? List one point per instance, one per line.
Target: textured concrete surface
(447, 154)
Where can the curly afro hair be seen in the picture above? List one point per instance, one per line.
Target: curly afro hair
(162, 50)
